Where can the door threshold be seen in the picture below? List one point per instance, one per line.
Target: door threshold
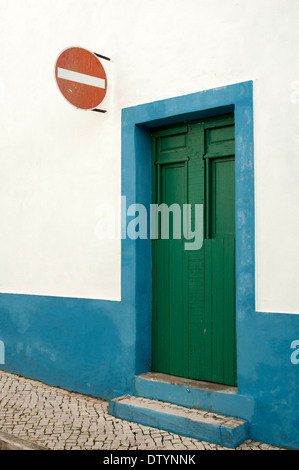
(192, 383)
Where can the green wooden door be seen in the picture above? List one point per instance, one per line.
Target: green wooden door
(194, 290)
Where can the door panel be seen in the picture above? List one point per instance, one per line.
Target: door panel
(170, 323)
(223, 197)
(219, 310)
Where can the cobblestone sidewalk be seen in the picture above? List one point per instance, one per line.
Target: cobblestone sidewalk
(63, 420)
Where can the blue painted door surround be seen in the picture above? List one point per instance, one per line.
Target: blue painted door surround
(136, 186)
(97, 346)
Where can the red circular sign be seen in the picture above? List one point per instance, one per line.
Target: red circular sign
(81, 77)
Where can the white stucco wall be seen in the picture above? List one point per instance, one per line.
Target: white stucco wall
(59, 163)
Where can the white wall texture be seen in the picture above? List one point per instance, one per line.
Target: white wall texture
(59, 163)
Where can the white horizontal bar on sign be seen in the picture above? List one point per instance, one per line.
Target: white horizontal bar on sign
(81, 78)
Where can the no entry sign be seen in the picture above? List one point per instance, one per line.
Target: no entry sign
(81, 77)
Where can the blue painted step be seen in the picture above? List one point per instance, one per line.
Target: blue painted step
(190, 393)
(198, 424)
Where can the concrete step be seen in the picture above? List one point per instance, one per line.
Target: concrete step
(190, 393)
(198, 424)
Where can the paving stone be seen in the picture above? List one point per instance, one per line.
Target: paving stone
(59, 419)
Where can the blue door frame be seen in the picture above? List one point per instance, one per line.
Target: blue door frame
(136, 186)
